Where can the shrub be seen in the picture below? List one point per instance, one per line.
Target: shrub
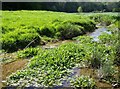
(19, 39)
(108, 71)
(79, 9)
(117, 53)
(68, 31)
(96, 59)
(108, 39)
(47, 31)
(89, 25)
(104, 19)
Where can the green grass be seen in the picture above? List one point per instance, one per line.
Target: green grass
(56, 25)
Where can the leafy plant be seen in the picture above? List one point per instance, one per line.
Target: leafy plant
(28, 52)
(84, 39)
(19, 39)
(108, 71)
(68, 30)
(83, 82)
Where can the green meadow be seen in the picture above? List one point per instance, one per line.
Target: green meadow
(24, 33)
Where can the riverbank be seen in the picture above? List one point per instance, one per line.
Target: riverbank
(60, 62)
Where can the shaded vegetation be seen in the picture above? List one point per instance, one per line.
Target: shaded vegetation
(63, 6)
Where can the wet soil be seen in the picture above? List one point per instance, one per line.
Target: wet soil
(12, 67)
(93, 73)
(9, 68)
(56, 44)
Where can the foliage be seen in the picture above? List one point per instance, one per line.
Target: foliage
(104, 19)
(108, 68)
(83, 82)
(83, 39)
(47, 31)
(117, 53)
(68, 31)
(52, 65)
(112, 40)
(79, 9)
(26, 28)
(28, 52)
(108, 71)
(19, 39)
(95, 52)
(64, 6)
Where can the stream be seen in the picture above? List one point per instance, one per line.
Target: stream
(94, 34)
(78, 71)
(98, 32)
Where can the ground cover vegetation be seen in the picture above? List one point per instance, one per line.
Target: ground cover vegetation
(22, 29)
(24, 34)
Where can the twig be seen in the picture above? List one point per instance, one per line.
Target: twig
(30, 43)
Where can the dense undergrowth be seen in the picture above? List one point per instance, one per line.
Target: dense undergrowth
(51, 67)
(39, 24)
(105, 18)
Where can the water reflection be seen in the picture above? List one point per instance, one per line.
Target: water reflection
(98, 32)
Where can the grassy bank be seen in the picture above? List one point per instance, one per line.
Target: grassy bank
(28, 29)
(19, 28)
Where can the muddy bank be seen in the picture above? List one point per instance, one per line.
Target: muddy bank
(12, 67)
(19, 64)
(56, 44)
(93, 73)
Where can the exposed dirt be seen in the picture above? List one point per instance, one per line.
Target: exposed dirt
(93, 74)
(12, 67)
(103, 85)
(56, 44)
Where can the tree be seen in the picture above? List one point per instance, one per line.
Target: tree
(79, 9)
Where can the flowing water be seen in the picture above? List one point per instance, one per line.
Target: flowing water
(80, 71)
(98, 32)
(94, 34)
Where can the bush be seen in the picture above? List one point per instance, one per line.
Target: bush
(89, 25)
(104, 19)
(19, 39)
(47, 31)
(108, 39)
(117, 53)
(108, 71)
(68, 31)
(96, 59)
(79, 9)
